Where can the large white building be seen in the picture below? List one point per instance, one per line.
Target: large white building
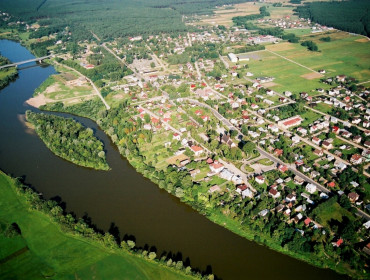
(232, 57)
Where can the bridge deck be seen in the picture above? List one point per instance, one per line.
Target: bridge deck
(25, 61)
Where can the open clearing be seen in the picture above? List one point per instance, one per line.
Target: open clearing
(312, 75)
(280, 47)
(363, 40)
(63, 256)
(177, 159)
(223, 16)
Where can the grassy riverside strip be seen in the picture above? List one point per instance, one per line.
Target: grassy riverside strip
(38, 241)
(8, 74)
(68, 139)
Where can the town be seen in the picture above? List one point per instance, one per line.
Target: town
(270, 135)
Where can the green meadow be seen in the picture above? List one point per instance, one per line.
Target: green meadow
(287, 74)
(345, 54)
(43, 250)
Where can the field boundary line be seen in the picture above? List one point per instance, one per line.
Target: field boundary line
(292, 61)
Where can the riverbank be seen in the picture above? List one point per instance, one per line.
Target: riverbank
(65, 254)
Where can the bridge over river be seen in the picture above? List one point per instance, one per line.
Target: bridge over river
(39, 59)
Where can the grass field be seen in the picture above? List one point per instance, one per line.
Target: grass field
(344, 54)
(335, 212)
(287, 74)
(44, 251)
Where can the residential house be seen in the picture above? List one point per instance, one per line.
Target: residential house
(216, 167)
(311, 188)
(274, 193)
(307, 221)
(367, 144)
(283, 168)
(316, 140)
(290, 198)
(260, 179)
(327, 145)
(319, 153)
(298, 180)
(227, 140)
(278, 152)
(353, 197)
(357, 139)
(176, 136)
(337, 243)
(296, 139)
(306, 168)
(356, 159)
(244, 191)
(226, 174)
(197, 150)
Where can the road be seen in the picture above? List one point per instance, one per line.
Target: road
(91, 82)
(339, 120)
(217, 114)
(198, 72)
(280, 105)
(156, 58)
(302, 139)
(96, 36)
(224, 62)
(136, 73)
(272, 157)
(189, 40)
(363, 83)
(351, 143)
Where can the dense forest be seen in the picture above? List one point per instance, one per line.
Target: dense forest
(111, 19)
(351, 16)
(69, 139)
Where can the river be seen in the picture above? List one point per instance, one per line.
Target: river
(124, 197)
